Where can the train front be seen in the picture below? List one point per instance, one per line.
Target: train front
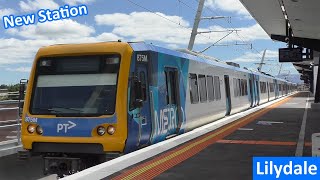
(75, 109)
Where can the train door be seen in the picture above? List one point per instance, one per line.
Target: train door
(144, 119)
(251, 90)
(228, 94)
(268, 89)
(173, 101)
(257, 92)
(276, 88)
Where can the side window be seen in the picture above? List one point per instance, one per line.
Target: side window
(210, 88)
(171, 87)
(217, 92)
(194, 95)
(143, 85)
(243, 89)
(263, 87)
(239, 87)
(203, 88)
(235, 91)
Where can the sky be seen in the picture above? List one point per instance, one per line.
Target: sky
(166, 23)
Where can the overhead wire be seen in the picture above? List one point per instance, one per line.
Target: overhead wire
(188, 28)
(177, 23)
(257, 52)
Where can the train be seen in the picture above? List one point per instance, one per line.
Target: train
(87, 103)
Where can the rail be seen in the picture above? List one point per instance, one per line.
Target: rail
(9, 147)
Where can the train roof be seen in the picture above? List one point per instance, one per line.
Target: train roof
(142, 46)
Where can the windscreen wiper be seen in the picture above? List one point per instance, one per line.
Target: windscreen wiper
(73, 109)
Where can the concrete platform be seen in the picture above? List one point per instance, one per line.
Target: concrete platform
(282, 129)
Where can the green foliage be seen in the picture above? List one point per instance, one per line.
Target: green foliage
(13, 88)
(3, 86)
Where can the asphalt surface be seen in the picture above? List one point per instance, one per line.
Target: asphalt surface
(234, 161)
(13, 169)
(275, 133)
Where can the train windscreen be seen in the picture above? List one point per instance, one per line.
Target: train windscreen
(76, 86)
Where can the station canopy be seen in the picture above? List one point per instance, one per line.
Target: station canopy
(276, 16)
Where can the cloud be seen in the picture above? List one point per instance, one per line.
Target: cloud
(250, 57)
(141, 26)
(75, 2)
(253, 32)
(26, 41)
(234, 6)
(6, 11)
(136, 26)
(109, 37)
(15, 51)
(19, 69)
(35, 5)
(53, 30)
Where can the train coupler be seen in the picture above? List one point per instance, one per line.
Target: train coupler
(61, 165)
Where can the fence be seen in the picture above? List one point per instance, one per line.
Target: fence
(8, 147)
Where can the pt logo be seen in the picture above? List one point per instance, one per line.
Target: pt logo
(64, 127)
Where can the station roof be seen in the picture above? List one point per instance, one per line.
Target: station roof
(302, 15)
(272, 15)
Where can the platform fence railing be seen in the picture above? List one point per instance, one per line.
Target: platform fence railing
(13, 128)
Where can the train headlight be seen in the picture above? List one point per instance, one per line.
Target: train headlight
(111, 130)
(31, 128)
(101, 131)
(39, 130)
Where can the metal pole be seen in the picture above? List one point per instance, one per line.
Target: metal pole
(196, 25)
(317, 93)
(264, 54)
(280, 69)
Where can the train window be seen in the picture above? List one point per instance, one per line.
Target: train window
(202, 88)
(242, 87)
(239, 87)
(143, 85)
(217, 91)
(194, 95)
(263, 87)
(235, 90)
(171, 87)
(271, 87)
(210, 88)
(244, 91)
